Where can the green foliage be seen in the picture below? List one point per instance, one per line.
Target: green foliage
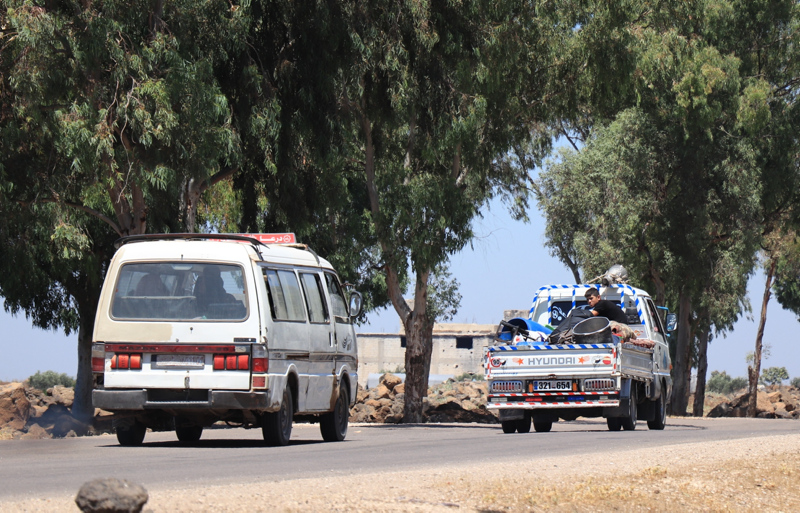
(48, 379)
(721, 383)
(469, 376)
(773, 376)
(795, 382)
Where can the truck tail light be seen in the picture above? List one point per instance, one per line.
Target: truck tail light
(98, 357)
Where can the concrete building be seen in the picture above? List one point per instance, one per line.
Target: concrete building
(457, 349)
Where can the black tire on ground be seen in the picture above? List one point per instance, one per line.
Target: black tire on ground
(543, 427)
(614, 423)
(189, 434)
(524, 424)
(131, 434)
(333, 425)
(277, 426)
(629, 421)
(660, 418)
(510, 426)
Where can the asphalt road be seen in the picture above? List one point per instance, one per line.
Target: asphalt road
(43, 468)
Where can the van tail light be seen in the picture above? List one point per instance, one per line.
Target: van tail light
(260, 365)
(260, 359)
(98, 357)
(126, 361)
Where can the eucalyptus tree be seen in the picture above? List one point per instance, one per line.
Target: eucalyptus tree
(110, 113)
(431, 94)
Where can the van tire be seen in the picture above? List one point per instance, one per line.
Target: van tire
(277, 426)
(131, 434)
(189, 434)
(333, 425)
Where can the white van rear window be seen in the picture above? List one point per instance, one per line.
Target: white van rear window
(179, 291)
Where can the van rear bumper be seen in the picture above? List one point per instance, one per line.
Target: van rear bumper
(217, 400)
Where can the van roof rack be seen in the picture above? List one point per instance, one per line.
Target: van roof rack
(187, 236)
(256, 240)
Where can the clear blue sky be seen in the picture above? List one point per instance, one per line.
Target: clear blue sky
(507, 264)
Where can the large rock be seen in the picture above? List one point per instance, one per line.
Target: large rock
(389, 380)
(36, 432)
(111, 495)
(62, 395)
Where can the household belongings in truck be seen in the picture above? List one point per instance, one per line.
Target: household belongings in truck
(623, 377)
(253, 330)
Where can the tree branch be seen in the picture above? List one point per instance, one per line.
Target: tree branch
(92, 212)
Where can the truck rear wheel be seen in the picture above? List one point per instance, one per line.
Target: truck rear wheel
(524, 424)
(277, 426)
(510, 426)
(614, 423)
(629, 421)
(660, 418)
(333, 425)
(542, 427)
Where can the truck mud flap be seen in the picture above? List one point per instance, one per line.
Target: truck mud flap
(511, 414)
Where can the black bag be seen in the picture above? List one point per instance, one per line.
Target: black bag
(563, 332)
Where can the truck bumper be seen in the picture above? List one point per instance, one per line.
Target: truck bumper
(611, 403)
(217, 400)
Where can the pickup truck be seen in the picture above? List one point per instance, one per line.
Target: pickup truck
(623, 379)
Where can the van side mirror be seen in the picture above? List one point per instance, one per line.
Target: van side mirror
(672, 322)
(356, 302)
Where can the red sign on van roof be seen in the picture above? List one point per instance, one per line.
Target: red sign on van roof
(272, 238)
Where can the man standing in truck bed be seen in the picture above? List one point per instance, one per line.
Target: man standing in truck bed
(604, 307)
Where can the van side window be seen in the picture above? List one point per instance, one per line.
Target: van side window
(312, 287)
(285, 299)
(657, 326)
(338, 304)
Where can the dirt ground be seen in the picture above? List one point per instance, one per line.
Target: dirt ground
(760, 474)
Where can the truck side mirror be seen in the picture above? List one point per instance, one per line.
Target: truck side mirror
(356, 302)
(672, 322)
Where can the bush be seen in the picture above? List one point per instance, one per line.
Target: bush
(48, 379)
(469, 376)
(774, 376)
(721, 383)
(795, 382)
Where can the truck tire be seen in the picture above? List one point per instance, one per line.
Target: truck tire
(629, 420)
(660, 418)
(614, 423)
(189, 434)
(131, 434)
(277, 427)
(524, 424)
(543, 427)
(510, 426)
(333, 425)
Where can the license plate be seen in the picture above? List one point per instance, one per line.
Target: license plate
(553, 386)
(178, 361)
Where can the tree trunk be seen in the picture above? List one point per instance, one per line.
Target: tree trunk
(82, 408)
(702, 370)
(419, 346)
(680, 369)
(754, 370)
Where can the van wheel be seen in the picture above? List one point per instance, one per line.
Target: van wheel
(131, 434)
(333, 425)
(510, 426)
(277, 427)
(660, 419)
(542, 427)
(629, 421)
(614, 423)
(189, 434)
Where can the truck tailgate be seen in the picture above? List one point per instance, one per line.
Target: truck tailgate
(546, 360)
(636, 361)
